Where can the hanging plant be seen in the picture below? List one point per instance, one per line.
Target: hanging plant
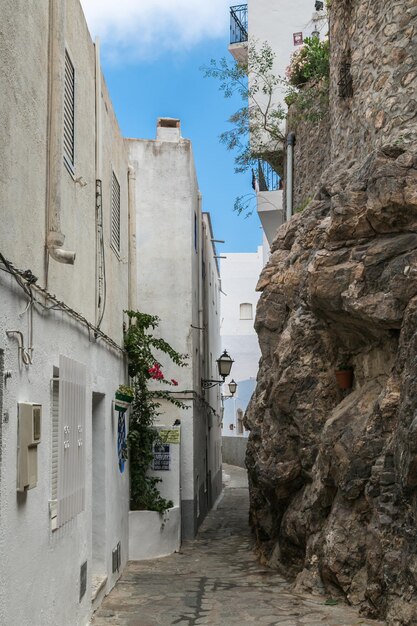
(144, 367)
(124, 396)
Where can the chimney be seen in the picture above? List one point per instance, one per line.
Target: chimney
(168, 129)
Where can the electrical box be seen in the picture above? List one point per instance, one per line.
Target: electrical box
(29, 420)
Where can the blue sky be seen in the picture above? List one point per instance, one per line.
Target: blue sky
(151, 60)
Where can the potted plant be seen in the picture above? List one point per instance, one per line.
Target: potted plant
(124, 397)
(344, 376)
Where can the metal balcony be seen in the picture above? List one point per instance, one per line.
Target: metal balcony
(269, 199)
(239, 23)
(268, 179)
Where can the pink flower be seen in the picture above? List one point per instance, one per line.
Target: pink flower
(155, 372)
(174, 382)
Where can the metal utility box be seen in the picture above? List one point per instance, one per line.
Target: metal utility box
(28, 438)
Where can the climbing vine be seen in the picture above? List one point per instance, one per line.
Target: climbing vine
(144, 367)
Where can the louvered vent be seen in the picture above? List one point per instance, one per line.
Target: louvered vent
(55, 438)
(71, 435)
(69, 112)
(115, 214)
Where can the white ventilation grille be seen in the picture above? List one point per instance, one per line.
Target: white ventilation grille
(69, 112)
(115, 214)
(55, 438)
(71, 447)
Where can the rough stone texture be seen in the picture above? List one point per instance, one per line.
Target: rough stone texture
(312, 138)
(333, 474)
(378, 39)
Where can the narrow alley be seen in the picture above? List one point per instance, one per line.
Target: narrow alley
(215, 579)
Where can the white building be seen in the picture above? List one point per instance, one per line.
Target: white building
(240, 273)
(67, 274)
(65, 269)
(283, 25)
(178, 280)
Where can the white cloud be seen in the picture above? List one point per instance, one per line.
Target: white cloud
(143, 28)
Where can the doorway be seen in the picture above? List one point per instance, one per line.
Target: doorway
(98, 494)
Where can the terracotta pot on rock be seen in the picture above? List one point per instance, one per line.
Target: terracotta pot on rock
(344, 378)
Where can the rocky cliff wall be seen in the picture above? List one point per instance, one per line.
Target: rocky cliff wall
(377, 39)
(333, 474)
(311, 154)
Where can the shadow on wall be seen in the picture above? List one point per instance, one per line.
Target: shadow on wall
(234, 450)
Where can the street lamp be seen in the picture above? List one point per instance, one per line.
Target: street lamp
(232, 390)
(232, 387)
(224, 365)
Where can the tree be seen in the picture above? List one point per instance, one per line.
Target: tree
(257, 125)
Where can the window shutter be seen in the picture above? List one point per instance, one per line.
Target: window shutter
(71, 450)
(55, 438)
(69, 112)
(115, 214)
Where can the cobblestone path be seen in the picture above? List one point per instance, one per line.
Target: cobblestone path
(216, 580)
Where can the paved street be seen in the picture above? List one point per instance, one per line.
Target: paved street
(216, 580)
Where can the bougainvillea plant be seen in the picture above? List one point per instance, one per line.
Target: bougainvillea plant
(309, 62)
(144, 368)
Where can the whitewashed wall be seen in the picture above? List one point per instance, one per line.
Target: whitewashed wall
(276, 23)
(169, 241)
(40, 571)
(240, 273)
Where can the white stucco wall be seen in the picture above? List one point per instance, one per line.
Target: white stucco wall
(240, 273)
(24, 130)
(210, 431)
(40, 571)
(170, 285)
(276, 23)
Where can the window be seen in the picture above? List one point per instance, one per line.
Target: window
(69, 113)
(246, 311)
(115, 214)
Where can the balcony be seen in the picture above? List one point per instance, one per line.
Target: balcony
(239, 32)
(269, 200)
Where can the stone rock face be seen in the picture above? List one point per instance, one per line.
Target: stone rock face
(373, 44)
(333, 473)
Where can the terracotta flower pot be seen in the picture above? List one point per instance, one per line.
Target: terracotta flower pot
(344, 378)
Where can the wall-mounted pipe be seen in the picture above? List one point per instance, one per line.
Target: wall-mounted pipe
(24, 353)
(132, 279)
(55, 238)
(290, 166)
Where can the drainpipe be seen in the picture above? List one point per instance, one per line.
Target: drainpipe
(132, 279)
(54, 237)
(290, 163)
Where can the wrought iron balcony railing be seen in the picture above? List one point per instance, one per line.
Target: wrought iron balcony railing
(239, 23)
(268, 179)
